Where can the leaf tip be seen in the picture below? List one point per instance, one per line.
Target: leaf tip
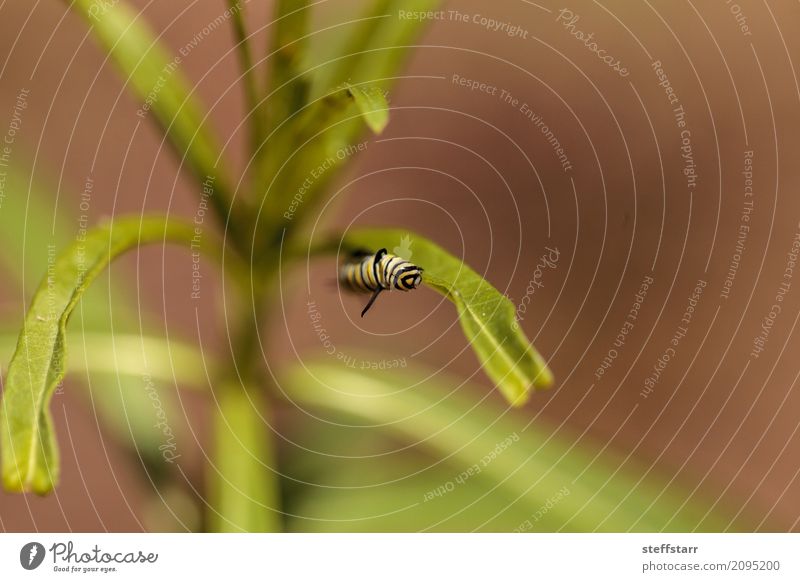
(520, 400)
(13, 481)
(544, 379)
(13, 485)
(373, 105)
(42, 487)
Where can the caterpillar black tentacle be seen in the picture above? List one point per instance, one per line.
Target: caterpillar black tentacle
(379, 272)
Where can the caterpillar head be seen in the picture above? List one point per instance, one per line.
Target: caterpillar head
(410, 279)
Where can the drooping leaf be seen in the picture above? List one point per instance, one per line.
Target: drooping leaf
(157, 80)
(549, 478)
(242, 476)
(487, 317)
(108, 359)
(27, 442)
(131, 380)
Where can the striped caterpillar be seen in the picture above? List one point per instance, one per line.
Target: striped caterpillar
(372, 273)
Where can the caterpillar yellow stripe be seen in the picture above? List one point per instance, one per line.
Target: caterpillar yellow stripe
(373, 273)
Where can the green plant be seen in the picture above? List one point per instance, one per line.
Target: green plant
(303, 112)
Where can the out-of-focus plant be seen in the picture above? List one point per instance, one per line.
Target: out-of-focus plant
(306, 108)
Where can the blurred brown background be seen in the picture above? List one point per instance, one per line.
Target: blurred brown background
(470, 171)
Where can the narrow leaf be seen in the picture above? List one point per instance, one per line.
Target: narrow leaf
(487, 317)
(289, 82)
(157, 80)
(320, 135)
(376, 48)
(29, 455)
(526, 463)
(31, 222)
(252, 90)
(287, 92)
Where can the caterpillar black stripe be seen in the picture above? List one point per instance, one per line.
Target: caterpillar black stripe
(368, 273)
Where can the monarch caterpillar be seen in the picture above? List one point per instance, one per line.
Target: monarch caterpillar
(368, 273)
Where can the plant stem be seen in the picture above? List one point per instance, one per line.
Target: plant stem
(243, 480)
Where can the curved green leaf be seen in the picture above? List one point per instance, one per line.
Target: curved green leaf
(109, 366)
(29, 452)
(113, 368)
(157, 80)
(526, 464)
(487, 317)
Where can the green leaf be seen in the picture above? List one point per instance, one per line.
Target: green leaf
(487, 317)
(374, 49)
(29, 453)
(319, 135)
(133, 381)
(371, 103)
(127, 354)
(249, 73)
(114, 367)
(31, 222)
(397, 503)
(157, 79)
(289, 83)
(287, 92)
(108, 362)
(527, 464)
(350, 82)
(332, 122)
(341, 477)
(242, 476)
